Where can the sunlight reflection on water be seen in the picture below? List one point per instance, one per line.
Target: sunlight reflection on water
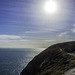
(13, 62)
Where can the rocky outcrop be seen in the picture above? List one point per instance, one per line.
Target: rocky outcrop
(55, 60)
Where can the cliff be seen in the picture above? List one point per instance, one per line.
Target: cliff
(55, 60)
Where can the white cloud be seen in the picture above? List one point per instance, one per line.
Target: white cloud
(62, 34)
(16, 44)
(42, 30)
(73, 30)
(13, 41)
(13, 37)
(28, 43)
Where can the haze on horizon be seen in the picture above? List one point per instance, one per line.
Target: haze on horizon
(36, 23)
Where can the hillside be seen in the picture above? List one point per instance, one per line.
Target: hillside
(55, 60)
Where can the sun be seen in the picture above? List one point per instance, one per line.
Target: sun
(50, 7)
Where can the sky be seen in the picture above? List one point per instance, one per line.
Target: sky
(25, 23)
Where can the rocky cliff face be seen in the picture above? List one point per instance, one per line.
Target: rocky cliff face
(55, 60)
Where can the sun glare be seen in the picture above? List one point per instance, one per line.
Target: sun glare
(50, 7)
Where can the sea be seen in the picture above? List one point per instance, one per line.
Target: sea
(14, 60)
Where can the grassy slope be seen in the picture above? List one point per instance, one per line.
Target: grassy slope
(55, 60)
(58, 65)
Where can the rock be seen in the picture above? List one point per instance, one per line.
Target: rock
(70, 72)
(55, 60)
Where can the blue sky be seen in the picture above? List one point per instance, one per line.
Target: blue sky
(23, 23)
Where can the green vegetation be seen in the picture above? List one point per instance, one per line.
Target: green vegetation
(57, 66)
(55, 60)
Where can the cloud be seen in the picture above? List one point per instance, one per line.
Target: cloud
(42, 30)
(29, 43)
(13, 41)
(14, 44)
(62, 34)
(13, 37)
(73, 30)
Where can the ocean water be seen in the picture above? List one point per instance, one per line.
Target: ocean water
(13, 61)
